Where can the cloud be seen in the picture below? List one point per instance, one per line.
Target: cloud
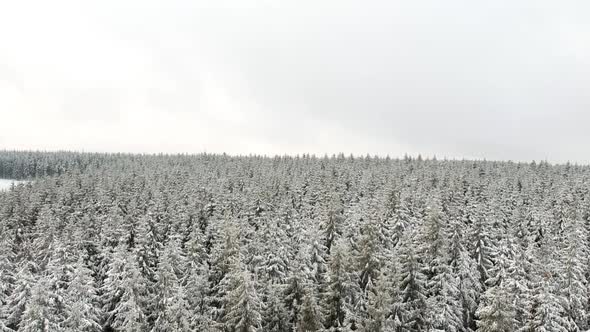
(498, 80)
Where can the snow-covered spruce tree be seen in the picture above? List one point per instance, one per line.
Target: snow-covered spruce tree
(124, 293)
(390, 199)
(402, 219)
(242, 305)
(331, 221)
(546, 311)
(572, 281)
(412, 284)
(444, 305)
(465, 268)
(342, 290)
(40, 312)
(515, 276)
(444, 308)
(81, 301)
(59, 272)
(197, 287)
(226, 247)
(297, 278)
(44, 237)
(224, 256)
(497, 309)
(195, 278)
(195, 246)
(433, 237)
(380, 315)
(369, 257)
(147, 247)
(309, 318)
(275, 316)
(275, 261)
(7, 275)
(171, 311)
(21, 294)
(317, 257)
(482, 245)
(113, 227)
(177, 316)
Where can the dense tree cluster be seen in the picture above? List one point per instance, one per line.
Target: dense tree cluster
(118, 242)
(25, 164)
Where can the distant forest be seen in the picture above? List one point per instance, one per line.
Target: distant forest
(123, 242)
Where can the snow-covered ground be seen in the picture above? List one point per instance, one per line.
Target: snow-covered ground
(6, 183)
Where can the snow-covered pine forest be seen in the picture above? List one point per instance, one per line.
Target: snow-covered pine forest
(120, 242)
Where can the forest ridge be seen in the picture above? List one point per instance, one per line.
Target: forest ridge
(122, 242)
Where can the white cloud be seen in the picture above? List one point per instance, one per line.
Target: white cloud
(501, 80)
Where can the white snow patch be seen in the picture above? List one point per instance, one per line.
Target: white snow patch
(6, 183)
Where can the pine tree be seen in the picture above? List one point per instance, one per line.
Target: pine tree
(317, 261)
(331, 221)
(124, 293)
(497, 310)
(195, 280)
(171, 310)
(442, 287)
(547, 311)
(294, 290)
(197, 288)
(369, 257)
(243, 307)
(195, 248)
(433, 238)
(310, 316)
(465, 267)
(483, 249)
(21, 294)
(276, 260)
(341, 289)
(81, 300)
(40, 312)
(444, 301)
(573, 280)
(148, 247)
(391, 201)
(275, 316)
(403, 218)
(46, 231)
(59, 272)
(379, 305)
(224, 257)
(176, 314)
(7, 276)
(412, 285)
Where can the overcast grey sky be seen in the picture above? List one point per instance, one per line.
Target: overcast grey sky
(476, 79)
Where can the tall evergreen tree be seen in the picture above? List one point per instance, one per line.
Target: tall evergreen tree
(124, 293)
(310, 315)
(341, 291)
(7, 276)
(171, 310)
(20, 295)
(243, 307)
(40, 312)
(412, 285)
(275, 316)
(81, 301)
